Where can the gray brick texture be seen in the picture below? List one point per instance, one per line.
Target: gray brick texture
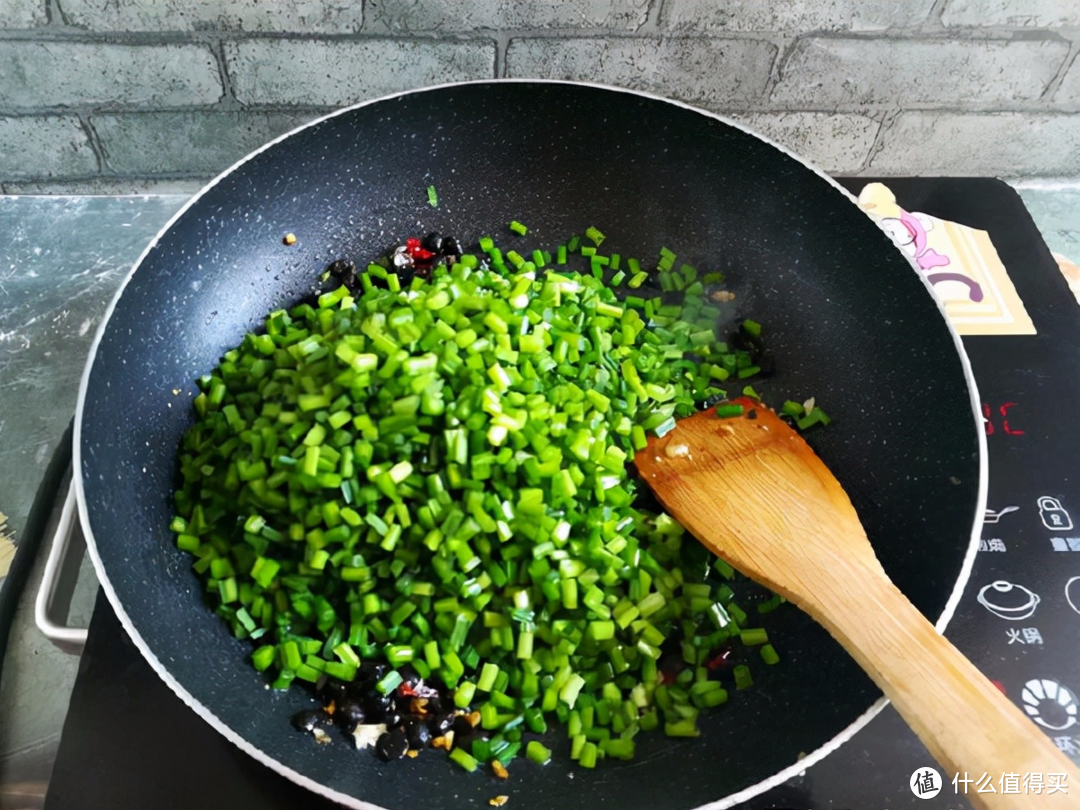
(22, 14)
(313, 73)
(80, 74)
(257, 16)
(823, 73)
(720, 16)
(411, 16)
(118, 95)
(1013, 13)
(709, 72)
(1068, 94)
(156, 143)
(60, 147)
(1004, 144)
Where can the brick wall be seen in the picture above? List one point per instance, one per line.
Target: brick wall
(142, 95)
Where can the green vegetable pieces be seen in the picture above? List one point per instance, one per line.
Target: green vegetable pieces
(437, 474)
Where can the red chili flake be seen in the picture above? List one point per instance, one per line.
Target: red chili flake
(720, 661)
(417, 690)
(412, 245)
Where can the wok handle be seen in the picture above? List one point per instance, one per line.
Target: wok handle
(69, 639)
(969, 726)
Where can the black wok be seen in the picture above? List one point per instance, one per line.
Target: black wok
(850, 320)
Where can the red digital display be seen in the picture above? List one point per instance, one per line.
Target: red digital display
(998, 418)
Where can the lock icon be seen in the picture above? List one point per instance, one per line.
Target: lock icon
(1053, 514)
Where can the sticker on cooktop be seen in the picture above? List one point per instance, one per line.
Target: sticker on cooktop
(990, 516)
(1049, 704)
(1065, 543)
(1071, 271)
(1053, 514)
(1008, 600)
(961, 264)
(7, 547)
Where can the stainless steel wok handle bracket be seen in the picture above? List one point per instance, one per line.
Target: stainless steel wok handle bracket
(68, 639)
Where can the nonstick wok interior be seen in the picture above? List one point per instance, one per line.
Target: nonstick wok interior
(849, 320)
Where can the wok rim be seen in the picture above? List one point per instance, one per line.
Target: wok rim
(346, 800)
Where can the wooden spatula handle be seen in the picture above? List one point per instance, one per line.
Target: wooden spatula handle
(967, 724)
(753, 492)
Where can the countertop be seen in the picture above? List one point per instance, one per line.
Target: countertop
(61, 262)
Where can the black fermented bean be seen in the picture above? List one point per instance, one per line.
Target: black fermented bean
(333, 690)
(417, 732)
(461, 726)
(391, 745)
(433, 242)
(377, 706)
(308, 719)
(449, 247)
(349, 715)
(441, 723)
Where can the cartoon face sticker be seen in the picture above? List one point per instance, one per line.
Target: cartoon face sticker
(908, 230)
(958, 262)
(904, 239)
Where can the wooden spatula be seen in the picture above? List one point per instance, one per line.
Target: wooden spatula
(753, 492)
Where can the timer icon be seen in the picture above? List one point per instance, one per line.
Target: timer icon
(1049, 704)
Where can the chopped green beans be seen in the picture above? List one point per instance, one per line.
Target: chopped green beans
(389, 682)
(464, 759)
(438, 474)
(537, 752)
